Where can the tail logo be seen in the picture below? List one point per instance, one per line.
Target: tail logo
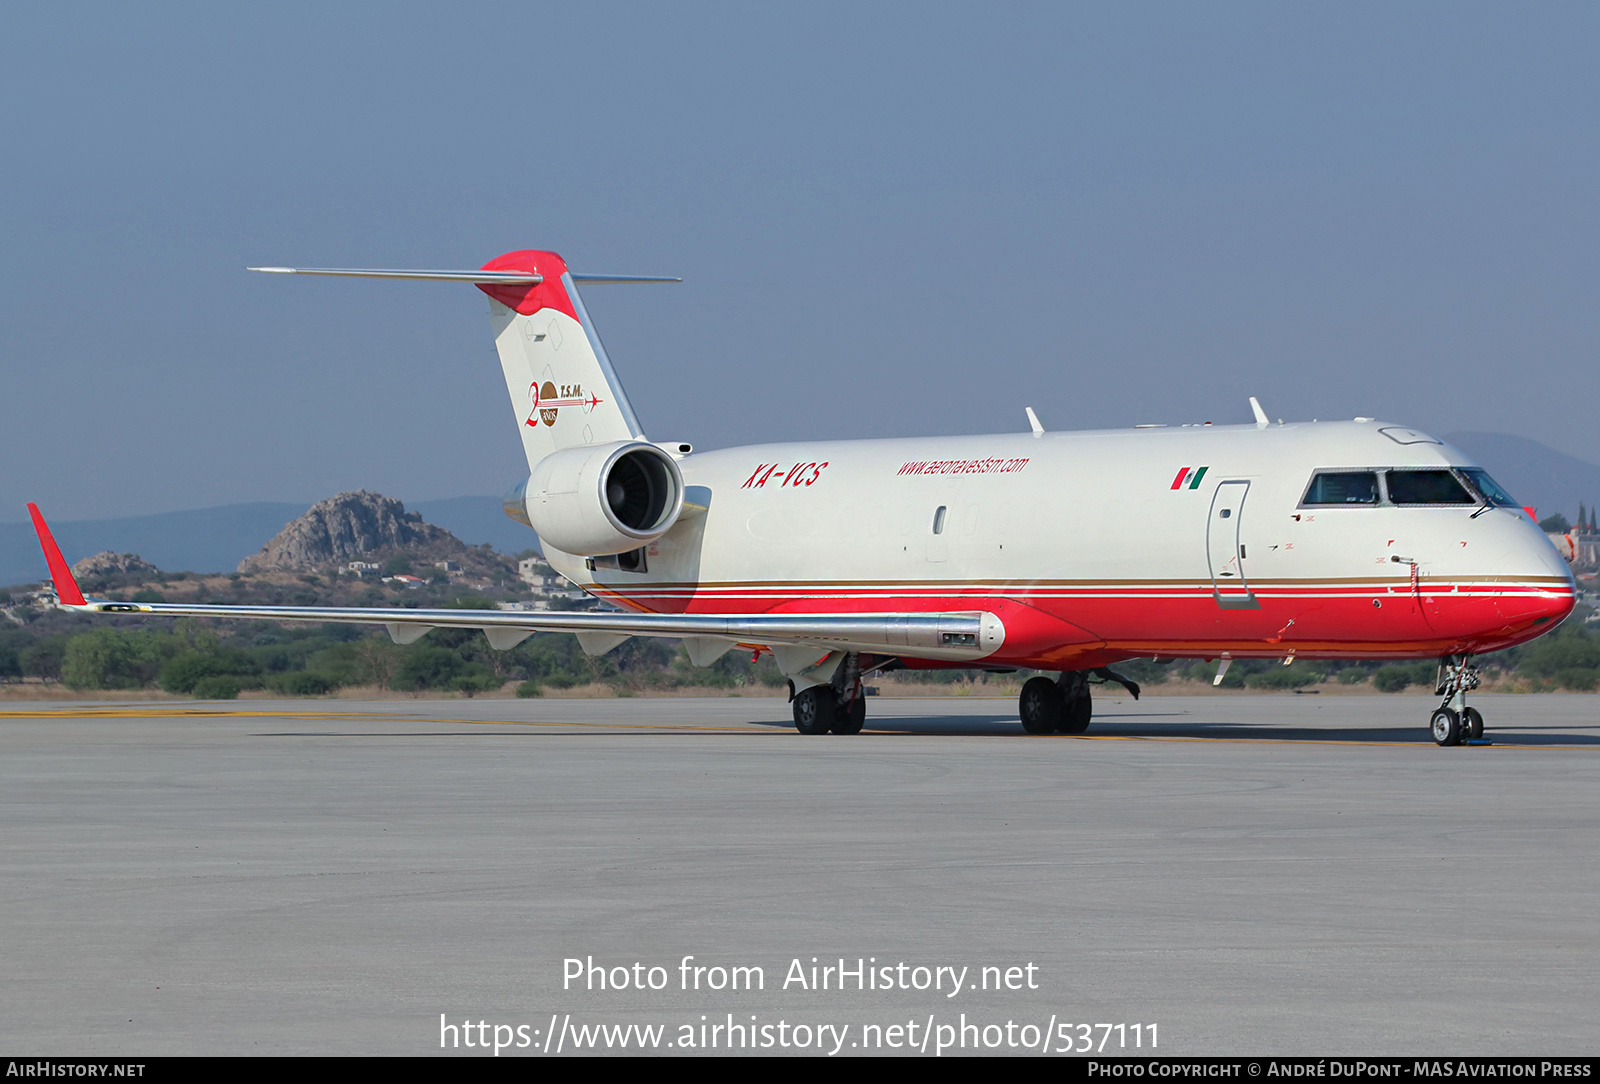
(546, 400)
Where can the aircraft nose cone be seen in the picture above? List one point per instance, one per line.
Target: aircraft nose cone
(1557, 605)
(1551, 597)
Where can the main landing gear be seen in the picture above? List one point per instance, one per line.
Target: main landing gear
(1454, 722)
(840, 707)
(1063, 706)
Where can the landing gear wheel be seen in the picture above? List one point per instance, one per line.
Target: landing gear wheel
(1041, 706)
(1446, 727)
(1075, 718)
(850, 718)
(814, 709)
(1472, 724)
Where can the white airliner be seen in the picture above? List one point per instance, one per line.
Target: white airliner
(1061, 552)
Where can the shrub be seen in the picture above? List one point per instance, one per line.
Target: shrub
(1285, 677)
(530, 689)
(1578, 679)
(1568, 648)
(220, 687)
(182, 673)
(473, 683)
(429, 668)
(305, 683)
(1395, 677)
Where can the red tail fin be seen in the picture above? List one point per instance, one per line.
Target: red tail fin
(60, 572)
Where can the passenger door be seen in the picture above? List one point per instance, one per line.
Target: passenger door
(1224, 550)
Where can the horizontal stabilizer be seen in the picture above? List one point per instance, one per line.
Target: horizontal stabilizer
(618, 280)
(485, 278)
(479, 278)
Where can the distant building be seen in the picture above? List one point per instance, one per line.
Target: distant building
(535, 573)
(448, 566)
(1586, 547)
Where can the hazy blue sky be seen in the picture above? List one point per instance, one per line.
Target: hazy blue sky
(891, 220)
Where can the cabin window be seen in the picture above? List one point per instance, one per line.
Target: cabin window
(1343, 487)
(938, 520)
(1488, 488)
(1426, 487)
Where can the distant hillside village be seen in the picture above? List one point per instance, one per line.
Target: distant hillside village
(1578, 542)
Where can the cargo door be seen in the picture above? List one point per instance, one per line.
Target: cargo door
(1224, 549)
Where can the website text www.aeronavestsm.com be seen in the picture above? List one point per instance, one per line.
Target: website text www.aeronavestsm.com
(933, 1034)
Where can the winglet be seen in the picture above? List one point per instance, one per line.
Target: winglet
(60, 572)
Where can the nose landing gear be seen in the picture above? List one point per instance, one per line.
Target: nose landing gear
(1453, 722)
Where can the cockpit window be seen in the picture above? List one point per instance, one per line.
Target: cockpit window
(1426, 487)
(1343, 487)
(1487, 486)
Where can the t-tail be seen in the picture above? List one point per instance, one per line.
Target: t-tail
(595, 486)
(563, 390)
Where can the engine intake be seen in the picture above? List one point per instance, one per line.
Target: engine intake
(598, 500)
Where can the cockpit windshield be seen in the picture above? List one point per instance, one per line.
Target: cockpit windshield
(1404, 486)
(1426, 487)
(1488, 487)
(1343, 487)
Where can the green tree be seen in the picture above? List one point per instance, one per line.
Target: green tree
(185, 673)
(1569, 657)
(115, 658)
(427, 667)
(1555, 524)
(217, 687)
(44, 658)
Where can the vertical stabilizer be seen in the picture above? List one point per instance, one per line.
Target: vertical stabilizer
(562, 387)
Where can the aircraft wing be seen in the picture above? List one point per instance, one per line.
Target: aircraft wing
(951, 636)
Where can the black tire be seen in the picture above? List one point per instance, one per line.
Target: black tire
(1445, 727)
(1472, 725)
(814, 709)
(1040, 706)
(850, 718)
(1076, 714)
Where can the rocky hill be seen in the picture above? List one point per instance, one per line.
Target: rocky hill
(113, 564)
(369, 527)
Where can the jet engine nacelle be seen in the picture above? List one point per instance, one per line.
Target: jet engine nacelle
(602, 499)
